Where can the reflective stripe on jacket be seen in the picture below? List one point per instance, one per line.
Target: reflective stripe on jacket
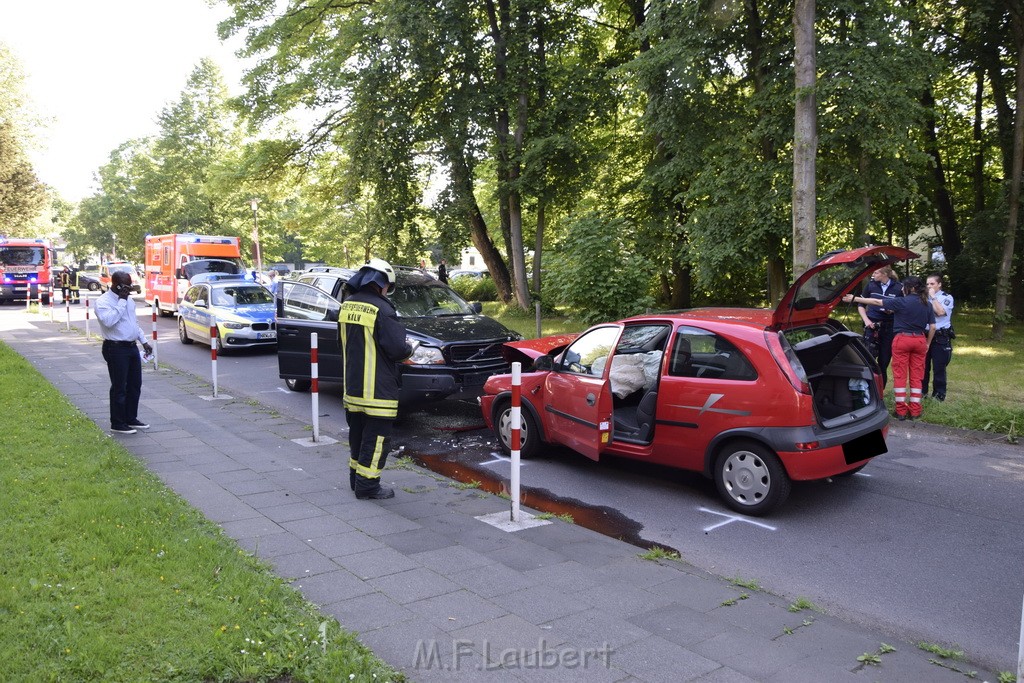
(373, 341)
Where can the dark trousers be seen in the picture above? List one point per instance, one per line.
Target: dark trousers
(884, 348)
(940, 352)
(65, 293)
(368, 444)
(125, 369)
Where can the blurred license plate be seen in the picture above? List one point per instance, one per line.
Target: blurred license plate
(864, 447)
(266, 335)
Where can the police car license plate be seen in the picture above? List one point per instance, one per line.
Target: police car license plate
(266, 335)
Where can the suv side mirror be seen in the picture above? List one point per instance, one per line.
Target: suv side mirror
(477, 307)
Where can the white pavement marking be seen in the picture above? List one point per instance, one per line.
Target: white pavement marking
(501, 458)
(729, 519)
(861, 474)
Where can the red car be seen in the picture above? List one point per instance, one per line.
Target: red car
(751, 397)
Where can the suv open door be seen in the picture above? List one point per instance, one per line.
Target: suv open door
(302, 310)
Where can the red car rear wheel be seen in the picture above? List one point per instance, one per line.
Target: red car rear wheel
(750, 478)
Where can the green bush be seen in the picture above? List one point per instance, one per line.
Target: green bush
(596, 271)
(475, 288)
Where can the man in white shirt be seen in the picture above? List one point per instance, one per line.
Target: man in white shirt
(119, 326)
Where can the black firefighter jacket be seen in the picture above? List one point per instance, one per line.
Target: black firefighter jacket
(373, 341)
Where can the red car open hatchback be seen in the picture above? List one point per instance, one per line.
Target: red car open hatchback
(753, 398)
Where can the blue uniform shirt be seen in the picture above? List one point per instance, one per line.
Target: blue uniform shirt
(910, 314)
(885, 291)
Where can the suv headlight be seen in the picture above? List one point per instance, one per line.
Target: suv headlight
(426, 355)
(233, 325)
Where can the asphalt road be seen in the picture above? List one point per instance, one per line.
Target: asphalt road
(926, 542)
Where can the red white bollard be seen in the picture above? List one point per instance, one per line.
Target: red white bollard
(516, 426)
(51, 302)
(213, 356)
(314, 384)
(67, 312)
(156, 358)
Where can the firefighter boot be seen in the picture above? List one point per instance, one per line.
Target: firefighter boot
(382, 493)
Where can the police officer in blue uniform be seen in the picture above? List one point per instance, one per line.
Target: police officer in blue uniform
(373, 342)
(940, 351)
(878, 321)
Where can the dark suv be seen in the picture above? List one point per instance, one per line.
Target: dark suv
(459, 348)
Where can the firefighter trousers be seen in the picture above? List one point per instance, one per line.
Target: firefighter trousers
(368, 439)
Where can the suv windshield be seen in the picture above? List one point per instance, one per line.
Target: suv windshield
(424, 300)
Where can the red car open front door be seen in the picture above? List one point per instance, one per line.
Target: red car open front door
(578, 393)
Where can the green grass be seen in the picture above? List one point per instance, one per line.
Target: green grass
(107, 575)
(985, 378)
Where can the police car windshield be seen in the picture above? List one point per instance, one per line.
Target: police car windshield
(421, 301)
(242, 295)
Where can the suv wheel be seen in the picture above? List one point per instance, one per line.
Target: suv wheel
(750, 478)
(298, 384)
(529, 434)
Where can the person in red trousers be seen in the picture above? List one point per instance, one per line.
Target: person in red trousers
(913, 329)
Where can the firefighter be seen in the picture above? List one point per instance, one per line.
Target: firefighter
(65, 284)
(75, 289)
(373, 342)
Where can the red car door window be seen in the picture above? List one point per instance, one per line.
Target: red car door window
(579, 402)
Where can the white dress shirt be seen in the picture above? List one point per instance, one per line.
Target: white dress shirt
(117, 318)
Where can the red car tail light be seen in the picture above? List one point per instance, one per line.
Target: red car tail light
(787, 362)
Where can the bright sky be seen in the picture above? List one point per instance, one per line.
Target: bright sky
(102, 70)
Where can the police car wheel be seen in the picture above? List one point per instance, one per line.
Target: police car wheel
(182, 334)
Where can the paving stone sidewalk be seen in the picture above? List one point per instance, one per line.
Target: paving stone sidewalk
(436, 592)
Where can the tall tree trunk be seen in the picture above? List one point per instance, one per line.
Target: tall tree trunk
(805, 138)
(538, 244)
(462, 182)
(1006, 265)
(864, 224)
(979, 144)
(952, 246)
(499, 20)
(517, 252)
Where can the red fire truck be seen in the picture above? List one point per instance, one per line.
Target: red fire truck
(26, 267)
(172, 260)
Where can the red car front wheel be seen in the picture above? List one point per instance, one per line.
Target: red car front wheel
(529, 434)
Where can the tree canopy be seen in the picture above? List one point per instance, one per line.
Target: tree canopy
(644, 147)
